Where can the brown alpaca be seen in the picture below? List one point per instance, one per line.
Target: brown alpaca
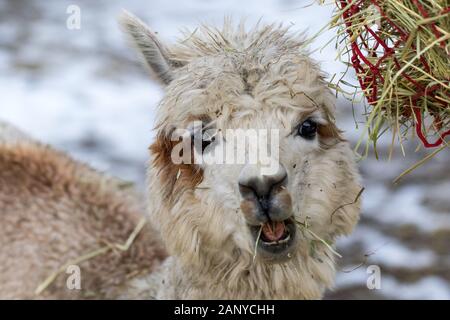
(54, 210)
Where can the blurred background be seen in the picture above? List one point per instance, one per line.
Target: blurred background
(83, 91)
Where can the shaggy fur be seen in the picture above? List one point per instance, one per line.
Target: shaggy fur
(53, 210)
(261, 78)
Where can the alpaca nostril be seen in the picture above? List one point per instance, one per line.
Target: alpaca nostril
(261, 188)
(258, 191)
(264, 203)
(264, 197)
(251, 180)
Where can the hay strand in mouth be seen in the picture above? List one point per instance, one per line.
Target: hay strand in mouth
(255, 251)
(92, 254)
(306, 227)
(325, 243)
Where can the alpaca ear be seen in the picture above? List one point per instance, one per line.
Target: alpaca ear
(154, 52)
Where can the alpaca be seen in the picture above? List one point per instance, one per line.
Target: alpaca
(231, 231)
(53, 210)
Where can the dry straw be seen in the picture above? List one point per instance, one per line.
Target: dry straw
(90, 255)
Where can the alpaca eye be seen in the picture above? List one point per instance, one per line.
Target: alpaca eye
(208, 138)
(307, 129)
(203, 138)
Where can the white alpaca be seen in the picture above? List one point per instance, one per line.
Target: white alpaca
(210, 217)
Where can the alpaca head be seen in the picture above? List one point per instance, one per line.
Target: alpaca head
(272, 217)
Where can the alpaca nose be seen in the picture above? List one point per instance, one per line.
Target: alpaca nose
(253, 185)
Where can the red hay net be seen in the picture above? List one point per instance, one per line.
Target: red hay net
(370, 74)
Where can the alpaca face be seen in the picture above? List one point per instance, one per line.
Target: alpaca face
(265, 210)
(257, 198)
(240, 214)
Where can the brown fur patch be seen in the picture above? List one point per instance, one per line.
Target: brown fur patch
(174, 178)
(329, 135)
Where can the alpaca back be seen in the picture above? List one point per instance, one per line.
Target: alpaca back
(11, 135)
(54, 210)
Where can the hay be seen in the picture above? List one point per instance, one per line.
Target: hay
(347, 204)
(255, 251)
(91, 254)
(400, 50)
(304, 226)
(419, 163)
(365, 259)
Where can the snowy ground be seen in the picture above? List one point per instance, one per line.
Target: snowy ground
(83, 91)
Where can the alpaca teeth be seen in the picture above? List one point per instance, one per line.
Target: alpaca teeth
(274, 243)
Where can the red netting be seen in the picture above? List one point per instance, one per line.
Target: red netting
(368, 61)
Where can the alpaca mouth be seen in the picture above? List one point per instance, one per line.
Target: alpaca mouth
(275, 239)
(274, 232)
